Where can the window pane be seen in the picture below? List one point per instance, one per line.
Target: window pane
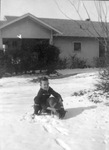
(77, 46)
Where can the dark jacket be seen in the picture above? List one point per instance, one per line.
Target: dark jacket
(43, 95)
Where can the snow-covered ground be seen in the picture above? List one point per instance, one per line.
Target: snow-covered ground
(85, 126)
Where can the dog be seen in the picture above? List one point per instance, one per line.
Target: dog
(56, 107)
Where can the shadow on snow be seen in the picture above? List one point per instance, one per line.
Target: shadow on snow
(73, 112)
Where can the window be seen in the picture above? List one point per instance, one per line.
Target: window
(77, 46)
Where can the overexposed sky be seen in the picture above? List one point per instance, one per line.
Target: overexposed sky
(74, 9)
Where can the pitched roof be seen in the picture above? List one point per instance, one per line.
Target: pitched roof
(65, 27)
(11, 20)
(77, 28)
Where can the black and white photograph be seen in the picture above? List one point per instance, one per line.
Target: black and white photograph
(54, 74)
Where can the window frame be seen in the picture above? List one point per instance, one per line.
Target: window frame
(80, 46)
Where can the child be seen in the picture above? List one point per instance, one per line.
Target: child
(41, 101)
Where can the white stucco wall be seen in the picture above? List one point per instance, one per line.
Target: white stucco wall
(27, 28)
(89, 47)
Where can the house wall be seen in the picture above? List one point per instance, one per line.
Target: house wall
(89, 47)
(31, 29)
(27, 28)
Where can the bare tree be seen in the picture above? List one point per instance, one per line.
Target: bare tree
(102, 35)
(101, 12)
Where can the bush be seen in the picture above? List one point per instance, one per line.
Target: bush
(103, 84)
(52, 58)
(45, 57)
(62, 63)
(72, 62)
(30, 57)
(2, 64)
(2, 71)
(103, 62)
(99, 62)
(77, 62)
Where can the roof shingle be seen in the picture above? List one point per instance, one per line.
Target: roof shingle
(75, 28)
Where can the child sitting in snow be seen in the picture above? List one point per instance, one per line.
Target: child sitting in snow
(43, 101)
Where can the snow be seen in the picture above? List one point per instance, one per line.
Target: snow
(85, 126)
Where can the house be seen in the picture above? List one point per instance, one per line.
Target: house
(71, 36)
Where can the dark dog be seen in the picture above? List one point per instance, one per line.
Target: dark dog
(56, 107)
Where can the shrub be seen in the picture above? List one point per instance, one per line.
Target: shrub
(51, 58)
(32, 56)
(2, 71)
(62, 63)
(103, 84)
(2, 64)
(99, 62)
(77, 62)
